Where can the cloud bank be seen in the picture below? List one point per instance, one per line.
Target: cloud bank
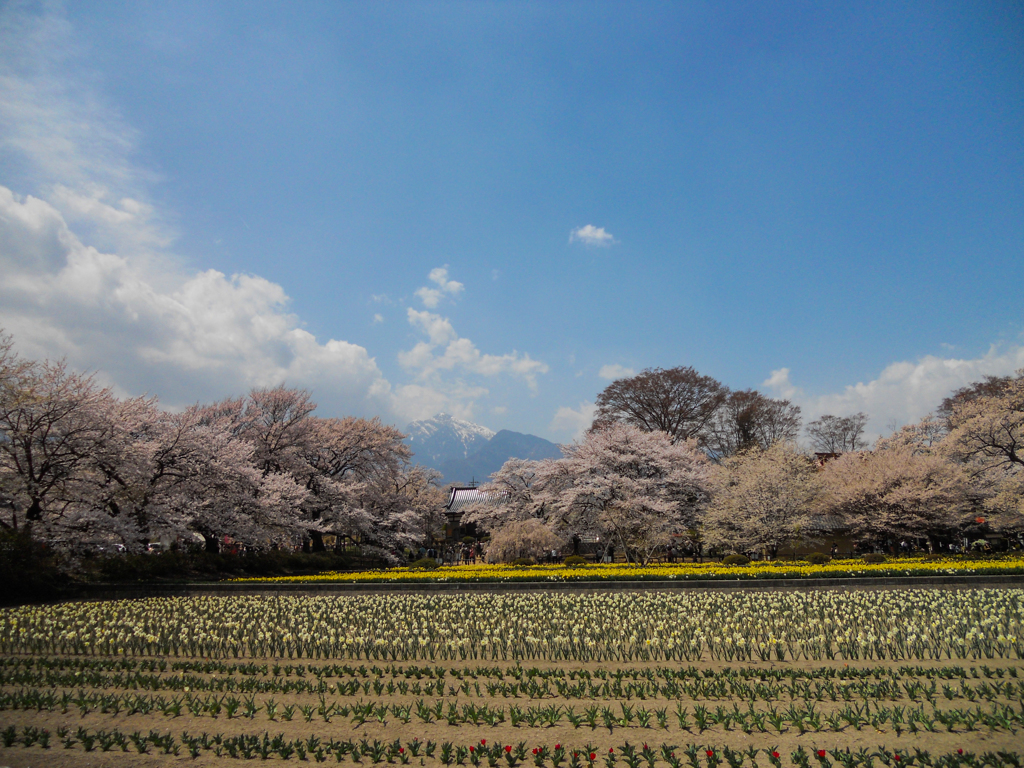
(904, 392)
(146, 326)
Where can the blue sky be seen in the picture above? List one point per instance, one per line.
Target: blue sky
(492, 209)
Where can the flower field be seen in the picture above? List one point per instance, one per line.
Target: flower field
(622, 680)
(910, 566)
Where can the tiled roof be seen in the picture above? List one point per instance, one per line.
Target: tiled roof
(464, 497)
(830, 524)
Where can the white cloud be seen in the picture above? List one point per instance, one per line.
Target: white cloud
(431, 297)
(573, 422)
(591, 235)
(146, 326)
(417, 401)
(126, 223)
(904, 391)
(443, 358)
(445, 350)
(438, 329)
(378, 318)
(780, 384)
(499, 410)
(615, 371)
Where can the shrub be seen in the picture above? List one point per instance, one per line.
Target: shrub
(817, 558)
(574, 561)
(874, 558)
(424, 564)
(735, 559)
(522, 539)
(523, 561)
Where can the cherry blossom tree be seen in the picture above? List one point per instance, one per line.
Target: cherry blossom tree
(51, 422)
(261, 507)
(277, 422)
(364, 488)
(522, 538)
(117, 498)
(83, 466)
(339, 458)
(763, 499)
(986, 434)
(185, 475)
(513, 493)
(903, 489)
(397, 509)
(635, 487)
(989, 386)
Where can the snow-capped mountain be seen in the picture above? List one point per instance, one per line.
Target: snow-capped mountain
(503, 446)
(444, 438)
(463, 452)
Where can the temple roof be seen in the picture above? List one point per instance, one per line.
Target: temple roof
(461, 498)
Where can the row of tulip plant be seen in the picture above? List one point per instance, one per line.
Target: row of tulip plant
(495, 755)
(845, 683)
(621, 627)
(796, 718)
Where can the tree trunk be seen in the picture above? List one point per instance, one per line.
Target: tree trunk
(211, 544)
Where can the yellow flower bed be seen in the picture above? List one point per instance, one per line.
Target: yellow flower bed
(669, 572)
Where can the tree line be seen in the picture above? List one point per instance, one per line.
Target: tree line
(669, 451)
(83, 468)
(673, 451)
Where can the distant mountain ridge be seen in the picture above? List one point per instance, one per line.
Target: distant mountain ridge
(503, 446)
(445, 437)
(463, 451)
